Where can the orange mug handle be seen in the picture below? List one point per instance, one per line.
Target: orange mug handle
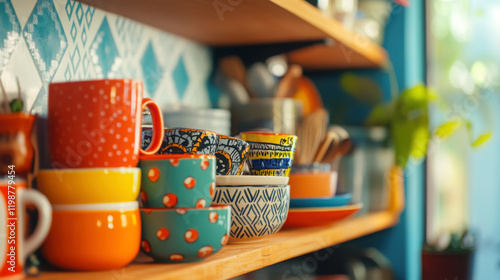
(158, 129)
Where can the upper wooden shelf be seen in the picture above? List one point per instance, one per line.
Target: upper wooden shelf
(255, 22)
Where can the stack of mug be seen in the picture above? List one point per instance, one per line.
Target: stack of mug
(94, 138)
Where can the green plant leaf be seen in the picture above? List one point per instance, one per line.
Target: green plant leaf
(446, 129)
(380, 115)
(482, 139)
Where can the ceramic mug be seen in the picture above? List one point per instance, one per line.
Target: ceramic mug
(231, 155)
(93, 236)
(169, 181)
(271, 154)
(15, 248)
(185, 141)
(15, 142)
(98, 124)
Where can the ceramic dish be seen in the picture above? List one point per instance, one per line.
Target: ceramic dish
(311, 217)
(336, 201)
(241, 180)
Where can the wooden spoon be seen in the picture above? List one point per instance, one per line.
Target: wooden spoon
(290, 82)
(329, 143)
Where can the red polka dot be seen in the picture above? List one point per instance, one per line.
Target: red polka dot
(174, 162)
(204, 164)
(224, 240)
(191, 235)
(145, 246)
(154, 174)
(176, 257)
(181, 211)
(205, 251)
(189, 182)
(170, 200)
(212, 189)
(201, 203)
(162, 234)
(213, 217)
(144, 197)
(147, 211)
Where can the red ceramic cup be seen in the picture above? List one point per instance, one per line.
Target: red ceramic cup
(98, 123)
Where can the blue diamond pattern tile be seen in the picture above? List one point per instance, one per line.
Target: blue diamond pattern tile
(10, 31)
(70, 6)
(67, 73)
(181, 77)
(45, 38)
(89, 15)
(85, 62)
(151, 70)
(84, 36)
(105, 55)
(79, 13)
(73, 32)
(75, 59)
(120, 24)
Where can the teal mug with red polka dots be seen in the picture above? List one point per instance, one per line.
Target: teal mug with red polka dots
(173, 181)
(184, 234)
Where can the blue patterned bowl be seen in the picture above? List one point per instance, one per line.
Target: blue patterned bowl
(184, 141)
(184, 234)
(257, 211)
(169, 181)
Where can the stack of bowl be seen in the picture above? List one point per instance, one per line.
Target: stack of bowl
(176, 192)
(259, 201)
(94, 129)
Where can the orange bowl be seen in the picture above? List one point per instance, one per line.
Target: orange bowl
(107, 236)
(313, 185)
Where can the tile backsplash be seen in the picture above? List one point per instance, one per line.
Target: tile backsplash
(62, 40)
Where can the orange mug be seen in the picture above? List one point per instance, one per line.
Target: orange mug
(15, 142)
(98, 124)
(13, 246)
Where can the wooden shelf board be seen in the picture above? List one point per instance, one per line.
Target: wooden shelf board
(234, 260)
(255, 22)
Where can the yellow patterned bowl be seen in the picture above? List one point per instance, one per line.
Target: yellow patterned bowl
(271, 154)
(92, 185)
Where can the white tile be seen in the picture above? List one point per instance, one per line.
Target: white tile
(23, 10)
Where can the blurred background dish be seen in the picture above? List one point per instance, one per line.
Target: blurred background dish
(310, 217)
(335, 201)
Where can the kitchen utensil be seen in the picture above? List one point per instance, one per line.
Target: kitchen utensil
(231, 155)
(177, 180)
(312, 132)
(14, 198)
(344, 145)
(184, 234)
(92, 185)
(334, 201)
(98, 123)
(330, 141)
(320, 216)
(184, 141)
(100, 236)
(261, 81)
(270, 153)
(257, 211)
(237, 92)
(289, 84)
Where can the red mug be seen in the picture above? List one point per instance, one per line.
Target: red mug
(14, 247)
(98, 123)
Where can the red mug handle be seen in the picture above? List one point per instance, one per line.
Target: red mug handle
(158, 129)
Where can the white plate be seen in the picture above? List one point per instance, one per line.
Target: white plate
(239, 180)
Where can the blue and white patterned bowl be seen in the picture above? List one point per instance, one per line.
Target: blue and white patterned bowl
(256, 210)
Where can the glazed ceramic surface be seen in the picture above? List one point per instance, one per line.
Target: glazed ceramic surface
(93, 239)
(184, 234)
(14, 245)
(311, 217)
(338, 200)
(15, 142)
(257, 211)
(270, 153)
(92, 185)
(246, 180)
(184, 141)
(177, 180)
(98, 123)
(313, 185)
(231, 155)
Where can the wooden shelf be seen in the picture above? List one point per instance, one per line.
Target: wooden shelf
(234, 260)
(255, 22)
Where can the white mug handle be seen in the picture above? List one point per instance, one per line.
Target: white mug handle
(42, 204)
